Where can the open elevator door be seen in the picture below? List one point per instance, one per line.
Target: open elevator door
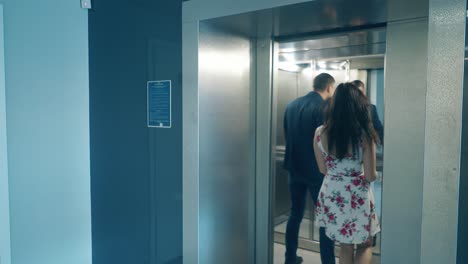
(347, 56)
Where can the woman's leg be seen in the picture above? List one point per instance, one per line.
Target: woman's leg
(346, 254)
(364, 252)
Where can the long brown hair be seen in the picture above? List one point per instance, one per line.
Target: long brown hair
(348, 120)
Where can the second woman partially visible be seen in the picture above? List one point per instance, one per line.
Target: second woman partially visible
(345, 151)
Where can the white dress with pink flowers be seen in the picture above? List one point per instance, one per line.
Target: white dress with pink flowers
(345, 206)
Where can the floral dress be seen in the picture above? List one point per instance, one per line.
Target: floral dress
(345, 206)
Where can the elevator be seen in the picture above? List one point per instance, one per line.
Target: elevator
(250, 66)
(242, 65)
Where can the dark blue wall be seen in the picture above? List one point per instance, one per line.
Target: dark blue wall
(136, 172)
(462, 245)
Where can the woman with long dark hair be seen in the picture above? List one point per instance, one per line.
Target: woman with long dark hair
(345, 151)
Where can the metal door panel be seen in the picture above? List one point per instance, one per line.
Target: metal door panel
(226, 155)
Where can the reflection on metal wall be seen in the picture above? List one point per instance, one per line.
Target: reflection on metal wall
(288, 86)
(227, 152)
(287, 92)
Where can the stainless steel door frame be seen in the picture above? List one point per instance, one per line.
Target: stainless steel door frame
(265, 117)
(260, 188)
(190, 155)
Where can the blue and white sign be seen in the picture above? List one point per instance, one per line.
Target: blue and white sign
(159, 104)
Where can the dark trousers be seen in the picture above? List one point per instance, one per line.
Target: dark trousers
(298, 193)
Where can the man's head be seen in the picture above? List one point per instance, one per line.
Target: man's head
(360, 85)
(324, 84)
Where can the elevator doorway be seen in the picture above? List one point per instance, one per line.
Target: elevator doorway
(344, 57)
(248, 67)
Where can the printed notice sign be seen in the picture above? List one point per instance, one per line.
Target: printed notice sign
(159, 104)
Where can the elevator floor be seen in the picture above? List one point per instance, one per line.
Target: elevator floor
(309, 230)
(304, 230)
(308, 256)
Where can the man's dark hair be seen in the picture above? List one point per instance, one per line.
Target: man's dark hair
(322, 81)
(358, 83)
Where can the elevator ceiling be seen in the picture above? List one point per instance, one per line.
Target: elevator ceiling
(299, 21)
(328, 15)
(370, 42)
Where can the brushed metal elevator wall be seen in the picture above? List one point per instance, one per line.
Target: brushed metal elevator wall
(227, 147)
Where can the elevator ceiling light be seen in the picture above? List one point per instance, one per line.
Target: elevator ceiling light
(288, 57)
(288, 66)
(322, 65)
(309, 71)
(288, 50)
(332, 65)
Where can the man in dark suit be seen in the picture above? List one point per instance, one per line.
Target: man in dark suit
(375, 116)
(301, 119)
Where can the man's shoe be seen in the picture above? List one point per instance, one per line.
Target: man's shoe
(298, 261)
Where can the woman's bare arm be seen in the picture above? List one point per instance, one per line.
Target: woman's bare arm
(318, 155)
(369, 160)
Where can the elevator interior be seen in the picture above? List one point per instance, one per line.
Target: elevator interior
(249, 67)
(346, 56)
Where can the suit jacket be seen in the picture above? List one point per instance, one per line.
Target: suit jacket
(301, 119)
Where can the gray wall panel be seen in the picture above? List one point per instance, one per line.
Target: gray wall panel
(264, 117)
(404, 141)
(404, 9)
(443, 130)
(227, 159)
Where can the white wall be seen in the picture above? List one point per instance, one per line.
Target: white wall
(46, 62)
(4, 199)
